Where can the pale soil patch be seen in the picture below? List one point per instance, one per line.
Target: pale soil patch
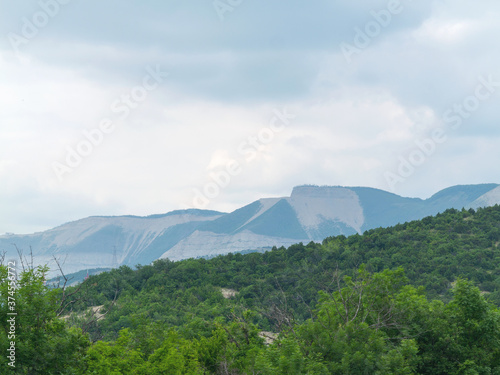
(228, 293)
(269, 337)
(96, 311)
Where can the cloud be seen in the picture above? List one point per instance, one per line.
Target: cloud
(353, 119)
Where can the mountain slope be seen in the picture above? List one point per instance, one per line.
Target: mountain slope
(107, 241)
(311, 213)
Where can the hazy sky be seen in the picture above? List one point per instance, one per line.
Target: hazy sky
(143, 107)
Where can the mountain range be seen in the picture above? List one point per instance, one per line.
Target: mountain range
(310, 213)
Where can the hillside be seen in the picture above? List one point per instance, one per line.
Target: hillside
(394, 300)
(433, 251)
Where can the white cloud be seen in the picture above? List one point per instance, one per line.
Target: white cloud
(225, 80)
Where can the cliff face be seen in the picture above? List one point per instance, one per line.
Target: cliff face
(491, 198)
(317, 206)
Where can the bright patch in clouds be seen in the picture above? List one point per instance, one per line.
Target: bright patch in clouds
(445, 33)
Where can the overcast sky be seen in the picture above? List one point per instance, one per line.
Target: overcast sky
(143, 107)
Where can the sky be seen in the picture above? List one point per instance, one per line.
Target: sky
(144, 107)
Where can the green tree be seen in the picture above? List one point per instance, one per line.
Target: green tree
(176, 356)
(114, 358)
(43, 342)
(462, 337)
(285, 357)
(361, 328)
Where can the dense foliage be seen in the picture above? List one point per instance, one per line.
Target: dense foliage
(44, 344)
(341, 307)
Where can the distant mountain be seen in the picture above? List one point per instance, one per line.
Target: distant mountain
(74, 278)
(311, 213)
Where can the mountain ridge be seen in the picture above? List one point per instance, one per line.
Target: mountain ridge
(310, 213)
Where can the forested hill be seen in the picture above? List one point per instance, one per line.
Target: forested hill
(391, 301)
(433, 252)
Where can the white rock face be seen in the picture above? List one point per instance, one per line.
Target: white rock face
(314, 205)
(201, 244)
(59, 242)
(141, 231)
(489, 199)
